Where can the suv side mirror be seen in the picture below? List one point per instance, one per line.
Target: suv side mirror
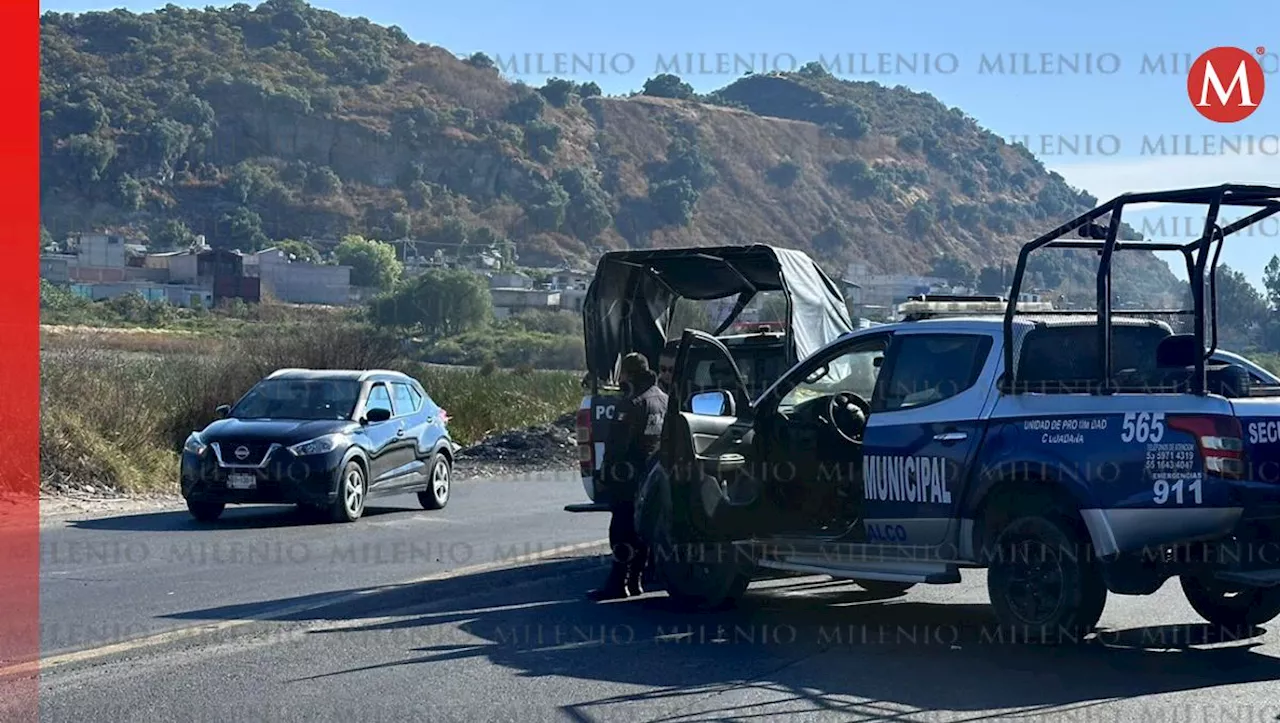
(716, 404)
(377, 414)
(222, 410)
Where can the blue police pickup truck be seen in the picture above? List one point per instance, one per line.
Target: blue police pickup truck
(1071, 454)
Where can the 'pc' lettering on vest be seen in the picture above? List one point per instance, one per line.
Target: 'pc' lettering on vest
(906, 479)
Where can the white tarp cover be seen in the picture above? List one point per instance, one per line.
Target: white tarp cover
(629, 302)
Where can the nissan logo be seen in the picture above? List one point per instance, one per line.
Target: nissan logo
(242, 453)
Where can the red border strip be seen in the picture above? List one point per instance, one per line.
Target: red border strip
(20, 352)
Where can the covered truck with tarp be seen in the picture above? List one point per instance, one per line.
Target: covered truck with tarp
(631, 306)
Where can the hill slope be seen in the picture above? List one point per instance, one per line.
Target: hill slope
(283, 121)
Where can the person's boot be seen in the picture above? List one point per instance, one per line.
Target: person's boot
(635, 579)
(615, 586)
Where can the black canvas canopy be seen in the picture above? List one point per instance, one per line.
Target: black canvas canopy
(629, 303)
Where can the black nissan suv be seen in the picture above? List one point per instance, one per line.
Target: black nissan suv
(327, 440)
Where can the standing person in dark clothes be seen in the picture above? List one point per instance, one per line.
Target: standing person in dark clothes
(667, 365)
(633, 441)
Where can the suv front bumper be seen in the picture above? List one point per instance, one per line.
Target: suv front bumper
(284, 479)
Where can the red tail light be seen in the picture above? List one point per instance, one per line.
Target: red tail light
(1221, 442)
(444, 417)
(586, 452)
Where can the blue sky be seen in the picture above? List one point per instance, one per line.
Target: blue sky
(1106, 124)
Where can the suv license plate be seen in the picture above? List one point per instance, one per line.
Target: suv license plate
(241, 481)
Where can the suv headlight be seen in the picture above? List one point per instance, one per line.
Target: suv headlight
(194, 445)
(320, 445)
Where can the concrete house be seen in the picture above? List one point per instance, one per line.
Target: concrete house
(298, 282)
(514, 301)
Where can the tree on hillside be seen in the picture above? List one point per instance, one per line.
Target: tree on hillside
(1271, 280)
(814, 69)
(991, 281)
(240, 229)
(673, 201)
(482, 61)
(527, 107)
(558, 91)
(373, 263)
(1242, 310)
(170, 234)
(953, 269)
(920, 219)
(667, 85)
(436, 303)
(300, 250)
(323, 181)
(588, 213)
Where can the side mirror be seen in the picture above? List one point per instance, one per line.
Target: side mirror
(877, 362)
(377, 414)
(222, 410)
(716, 404)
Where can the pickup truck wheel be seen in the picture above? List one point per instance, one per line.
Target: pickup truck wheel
(885, 587)
(1044, 583)
(696, 575)
(1231, 608)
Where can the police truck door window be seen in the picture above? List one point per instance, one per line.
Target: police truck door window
(931, 368)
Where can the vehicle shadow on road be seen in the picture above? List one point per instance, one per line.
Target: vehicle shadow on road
(234, 518)
(799, 646)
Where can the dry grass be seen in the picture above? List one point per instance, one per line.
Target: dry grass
(144, 341)
(118, 421)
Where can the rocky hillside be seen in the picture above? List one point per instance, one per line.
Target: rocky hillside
(250, 125)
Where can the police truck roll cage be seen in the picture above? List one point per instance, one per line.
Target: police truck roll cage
(1103, 240)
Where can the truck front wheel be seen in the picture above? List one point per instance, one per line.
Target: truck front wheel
(1231, 608)
(1044, 583)
(697, 574)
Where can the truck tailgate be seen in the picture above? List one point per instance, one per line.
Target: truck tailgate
(1260, 426)
(1259, 490)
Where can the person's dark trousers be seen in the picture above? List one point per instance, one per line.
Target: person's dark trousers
(629, 550)
(629, 555)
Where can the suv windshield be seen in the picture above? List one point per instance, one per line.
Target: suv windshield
(855, 371)
(299, 399)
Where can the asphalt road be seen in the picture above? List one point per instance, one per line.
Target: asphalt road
(121, 577)
(479, 640)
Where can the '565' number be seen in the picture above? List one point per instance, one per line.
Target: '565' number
(1143, 427)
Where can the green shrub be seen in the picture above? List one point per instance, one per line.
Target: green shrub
(480, 404)
(558, 91)
(508, 346)
(674, 201)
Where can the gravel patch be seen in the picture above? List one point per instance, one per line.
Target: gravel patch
(547, 447)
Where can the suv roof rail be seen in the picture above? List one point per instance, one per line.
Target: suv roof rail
(956, 297)
(287, 370)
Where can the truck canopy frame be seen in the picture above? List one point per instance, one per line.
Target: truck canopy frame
(1201, 256)
(631, 299)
